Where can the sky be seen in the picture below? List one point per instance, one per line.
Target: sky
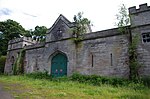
(30, 13)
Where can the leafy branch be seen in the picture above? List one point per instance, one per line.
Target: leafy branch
(81, 25)
(123, 21)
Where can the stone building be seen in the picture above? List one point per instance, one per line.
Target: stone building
(102, 53)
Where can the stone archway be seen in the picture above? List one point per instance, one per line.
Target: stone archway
(59, 65)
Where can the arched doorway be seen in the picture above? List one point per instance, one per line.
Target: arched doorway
(59, 65)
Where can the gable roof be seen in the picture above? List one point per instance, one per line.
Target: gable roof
(64, 19)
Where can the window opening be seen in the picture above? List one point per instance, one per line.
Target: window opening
(146, 37)
(111, 59)
(92, 60)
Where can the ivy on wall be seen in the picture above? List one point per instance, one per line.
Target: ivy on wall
(18, 67)
(123, 21)
(134, 64)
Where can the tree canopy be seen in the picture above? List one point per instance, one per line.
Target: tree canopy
(10, 29)
(122, 17)
(39, 33)
(80, 24)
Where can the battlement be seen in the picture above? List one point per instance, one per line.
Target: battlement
(35, 46)
(26, 39)
(142, 8)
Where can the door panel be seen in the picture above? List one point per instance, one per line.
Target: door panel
(59, 65)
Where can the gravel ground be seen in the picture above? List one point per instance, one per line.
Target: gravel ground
(4, 94)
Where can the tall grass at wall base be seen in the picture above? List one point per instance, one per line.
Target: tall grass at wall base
(39, 75)
(93, 80)
(2, 64)
(99, 80)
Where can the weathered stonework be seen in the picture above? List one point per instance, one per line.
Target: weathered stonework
(102, 53)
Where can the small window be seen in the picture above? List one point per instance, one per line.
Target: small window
(111, 60)
(92, 60)
(146, 37)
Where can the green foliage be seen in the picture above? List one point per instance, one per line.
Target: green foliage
(123, 18)
(3, 46)
(77, 39)
(123, 21)
(45, 75)
(29, 33)
(39, 75)
(2, 63)
(38, 33)
(99, 80)
(23, 87)
(81, 24)
(9, 30)
(93, 80)
(134, 65)
(18, 67)
(146, 81)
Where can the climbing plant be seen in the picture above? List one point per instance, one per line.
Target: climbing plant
(134, 65)
(18, 67)
(123, 21)
(81, 24)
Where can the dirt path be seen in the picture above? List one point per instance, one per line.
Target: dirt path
(4, 94)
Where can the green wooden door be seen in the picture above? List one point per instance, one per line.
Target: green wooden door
(59, 65)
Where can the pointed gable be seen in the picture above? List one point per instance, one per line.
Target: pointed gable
(60, 29)
(64, 19)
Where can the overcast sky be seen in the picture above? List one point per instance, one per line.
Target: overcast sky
(30, 13)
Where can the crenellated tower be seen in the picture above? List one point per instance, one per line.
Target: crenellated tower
(14, 47)
(140, 26)
(140, 16)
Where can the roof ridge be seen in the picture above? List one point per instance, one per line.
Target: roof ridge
(64, 19)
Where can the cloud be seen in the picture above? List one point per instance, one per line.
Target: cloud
(5, 11)
(29, 14)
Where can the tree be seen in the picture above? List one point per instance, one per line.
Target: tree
(81, 24)
(39, 33)
(123, 18)
(9, 30)
(29, 33)
(123, 22)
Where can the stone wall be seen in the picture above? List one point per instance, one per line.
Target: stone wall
(59, 30)
(103, 54)
(140, 24)
(143, 50)
(14, 47)
(10, 60)
(34, 60)
(140, 16)
(66, 47)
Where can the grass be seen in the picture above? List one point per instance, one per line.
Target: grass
(24, 87)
